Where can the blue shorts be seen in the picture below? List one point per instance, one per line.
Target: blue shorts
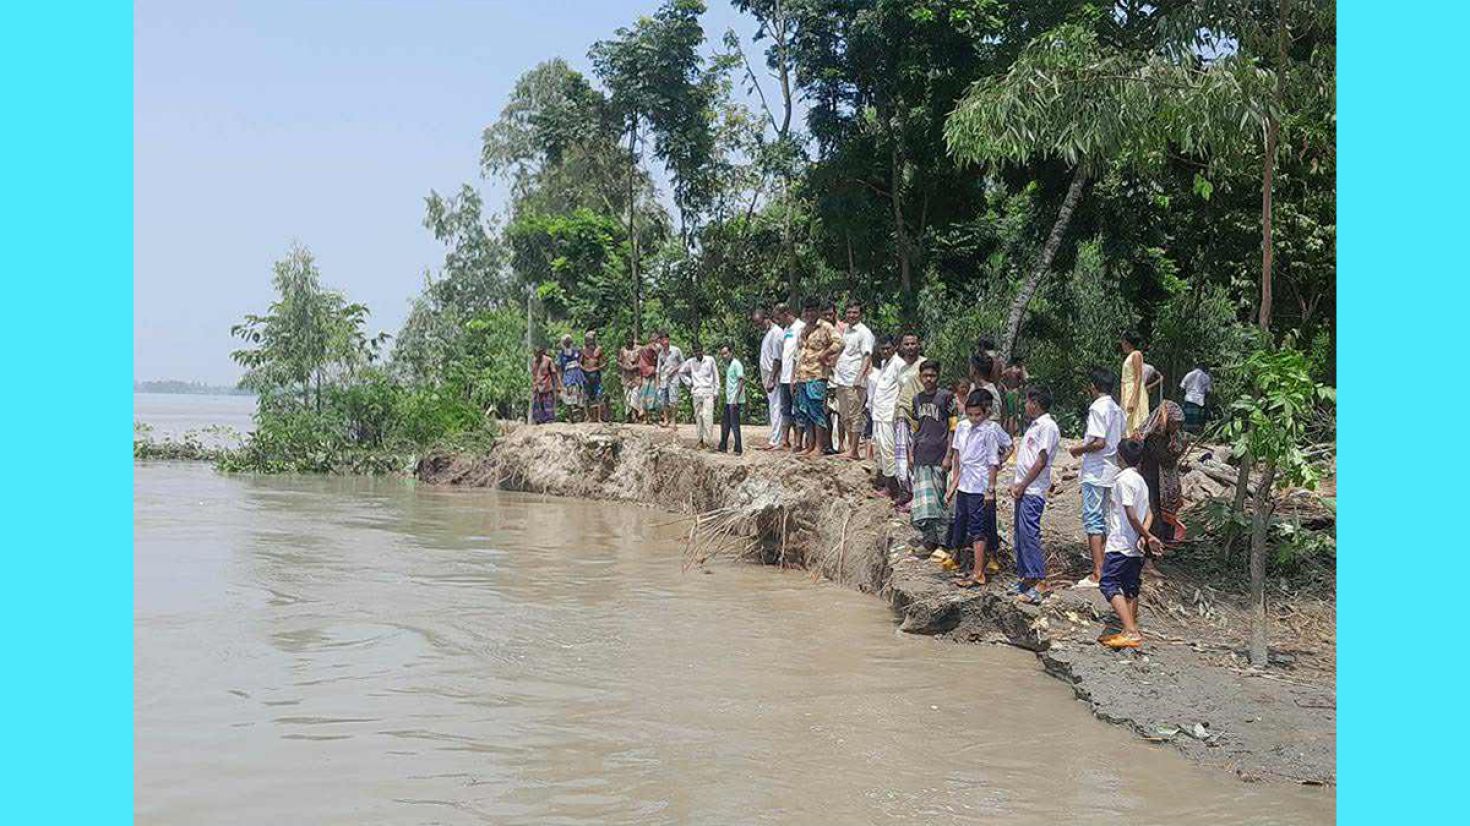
(811, 403)
(1122, 574)
(1095, 500)
(1030, 560)
(974, 519)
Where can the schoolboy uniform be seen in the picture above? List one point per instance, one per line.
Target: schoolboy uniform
(977, 448)
(1104, 420)
(1123, 561)
(1041, 435)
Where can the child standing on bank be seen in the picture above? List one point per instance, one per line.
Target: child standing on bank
(978, 446)
(1129, 520)
(1029, 488)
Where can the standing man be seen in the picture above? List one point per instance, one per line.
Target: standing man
(734, 399)
(790, 348)
(670, 362)
(543, 388)
(1153, 381)
(850, 377)
(632, 382)
(770, 364)
(704, 384)
(1196, 386)
(896, 373)
(820, 345)
(1105, 424)
(592, 360)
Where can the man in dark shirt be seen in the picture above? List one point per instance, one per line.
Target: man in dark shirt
(932, 407)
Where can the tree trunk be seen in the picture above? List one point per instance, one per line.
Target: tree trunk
(1260, 525)
(900, 231)
(1267, 182)
(788, 244)
(632, 236)
(1043, 264)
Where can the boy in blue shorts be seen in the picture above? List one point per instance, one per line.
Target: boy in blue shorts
(976, 450)
(1129, 539)
(1099, 466)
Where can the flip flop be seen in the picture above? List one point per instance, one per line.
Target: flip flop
(1030, 596)
(1120, 641)
(970, 582)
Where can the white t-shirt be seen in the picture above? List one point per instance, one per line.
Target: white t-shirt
(977, 449)
(1104, 420)
(1196, 385)
(704, 377)
(1128, 489)
(890, 381)
(771, 349)
(857, 342)
(1043, 434)
(790, 348)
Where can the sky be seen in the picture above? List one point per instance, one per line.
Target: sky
(258, 123)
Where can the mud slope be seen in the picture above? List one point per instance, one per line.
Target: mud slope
(821, 515)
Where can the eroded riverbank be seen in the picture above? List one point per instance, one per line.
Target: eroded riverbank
(1185, 689)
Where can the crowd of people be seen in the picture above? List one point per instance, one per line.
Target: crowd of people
(833, 389)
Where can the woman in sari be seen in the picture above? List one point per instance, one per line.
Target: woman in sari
(1134, 397)
(1164, 443)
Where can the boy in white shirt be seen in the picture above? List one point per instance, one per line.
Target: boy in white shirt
(1032, 481)
(1129, 520)
(1105, 422)
(976, 450)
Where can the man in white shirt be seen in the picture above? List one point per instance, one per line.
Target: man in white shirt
(1129, 522)
(885, 405)
(670, 362)
(1029, 487)
(850, 377)
(770, 365)
(1196, 386)
(790, 349)
(704, 384)
(1105, 422)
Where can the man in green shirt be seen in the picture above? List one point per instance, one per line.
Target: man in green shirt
(734, 398)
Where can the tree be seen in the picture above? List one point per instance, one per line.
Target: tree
(1071, 97)
(308, 336)
(1269, 427)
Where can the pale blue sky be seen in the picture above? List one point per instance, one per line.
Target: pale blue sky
(259, 122)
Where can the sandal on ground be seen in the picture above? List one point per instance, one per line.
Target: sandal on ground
(1086, 582)
(1030, 596)
(970, 582)
(1121, 640)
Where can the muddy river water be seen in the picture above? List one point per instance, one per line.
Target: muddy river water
(365, 651)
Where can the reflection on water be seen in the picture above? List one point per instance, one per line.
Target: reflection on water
(342, 650)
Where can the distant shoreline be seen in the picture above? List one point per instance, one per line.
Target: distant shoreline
(188, 388)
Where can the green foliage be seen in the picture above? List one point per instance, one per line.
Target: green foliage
(1274, 420)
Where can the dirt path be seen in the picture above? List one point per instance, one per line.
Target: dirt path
(1189, 687)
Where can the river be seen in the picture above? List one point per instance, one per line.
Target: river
(365, 651)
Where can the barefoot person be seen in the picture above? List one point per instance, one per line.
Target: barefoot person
(932, 407)
(1099, 467)
(1129, 520)
(670, 362)
(976, 452)
(592, 363)
(648, 378)
(1029, 487)
(790, 349)
(543, 387)
(820, 345)
(850, 377)
(770, 364)
(632, 382)
(1135, 395)
(896, 372)
(573, 381)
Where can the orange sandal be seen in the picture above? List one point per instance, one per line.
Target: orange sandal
(1121, 640)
